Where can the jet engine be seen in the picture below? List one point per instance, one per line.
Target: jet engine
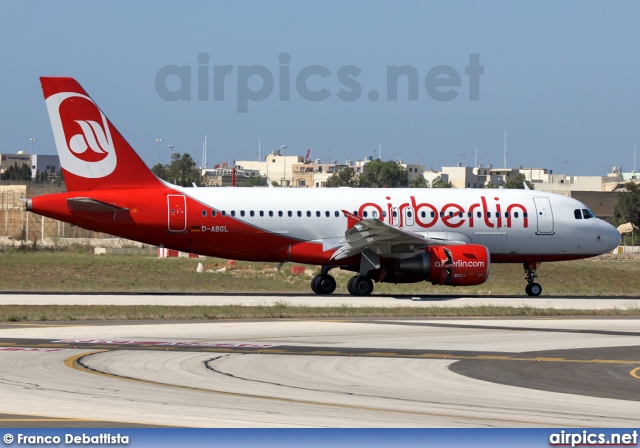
(464, 265)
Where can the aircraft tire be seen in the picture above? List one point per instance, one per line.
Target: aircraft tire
(351, 287)
(314, 286)
(324, 285)
(533, 289)
(361, 286)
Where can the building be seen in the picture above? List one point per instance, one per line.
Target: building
(39, 163)
(19, 159)
(276, 167)
(223, 177)
(313, 175)
(43, 163)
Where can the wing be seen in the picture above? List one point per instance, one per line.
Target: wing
(387, 240)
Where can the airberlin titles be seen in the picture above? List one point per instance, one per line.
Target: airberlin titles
(451, 214)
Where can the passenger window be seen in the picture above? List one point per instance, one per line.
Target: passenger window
(450, 214)
(488, 214)
(442, 214)
(337, 213)
(409, 214)
(355, 212)
(299, 214)
(577, 214)
(395, 214)
(242, 213)
(327, 214)
(479, 214)
(270, 213)
(364, 214)
(506, 214)
(423, 214)
(289, 213)
(469, 215)
(318, 214)
(280, 213)
(587, 214)
(204, 213)
(223, 213)
(233, 213)
(515, 214)
(261, 213)
(460, 214)
(308, 214)
(213, 213)
(433, 214)
(525, 215)
(251, 213)
(384, 214)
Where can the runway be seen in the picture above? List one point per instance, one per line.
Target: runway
(172, 299)
(511, 372)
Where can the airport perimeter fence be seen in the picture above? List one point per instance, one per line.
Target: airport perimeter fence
(20, 225)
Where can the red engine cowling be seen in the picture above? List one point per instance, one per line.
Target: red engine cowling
(464, 265)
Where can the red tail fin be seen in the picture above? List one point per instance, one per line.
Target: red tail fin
(93, 154)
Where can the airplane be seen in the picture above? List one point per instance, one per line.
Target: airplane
(395, 235)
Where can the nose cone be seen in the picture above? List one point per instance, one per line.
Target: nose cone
(613, 238)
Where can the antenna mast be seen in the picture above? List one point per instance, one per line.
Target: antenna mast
(204, 153)
(505, 148)
(259, 155)
(634, 158)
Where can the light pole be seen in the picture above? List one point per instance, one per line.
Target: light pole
(170, 149)
(32, 140)
(158, 141)
(284, 164)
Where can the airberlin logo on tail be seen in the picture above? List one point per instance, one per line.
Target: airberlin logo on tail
(82, 135)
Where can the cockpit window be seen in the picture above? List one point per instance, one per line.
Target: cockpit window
(577, 213)
(586, 213)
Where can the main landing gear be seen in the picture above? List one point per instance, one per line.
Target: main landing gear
(532, 289)
(324, 284)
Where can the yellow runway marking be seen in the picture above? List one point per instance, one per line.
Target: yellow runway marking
(634, 373)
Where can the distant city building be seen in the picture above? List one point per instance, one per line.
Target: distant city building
(42, 163)
(19, 159)
(276, 167)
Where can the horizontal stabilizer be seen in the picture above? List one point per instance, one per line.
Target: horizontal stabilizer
(92, 206)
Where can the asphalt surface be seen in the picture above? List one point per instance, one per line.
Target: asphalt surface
(343, 372)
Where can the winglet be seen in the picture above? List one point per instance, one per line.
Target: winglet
(352, 219)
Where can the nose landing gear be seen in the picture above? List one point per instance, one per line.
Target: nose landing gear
(532, 289)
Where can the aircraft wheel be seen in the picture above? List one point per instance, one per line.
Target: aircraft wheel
(533, 289)
(350, 285)
(324, 284)
(314, 281)
(360, 286)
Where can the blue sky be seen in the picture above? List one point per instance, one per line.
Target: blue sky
(562, 78)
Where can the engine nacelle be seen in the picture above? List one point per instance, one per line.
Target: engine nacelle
(464, 265)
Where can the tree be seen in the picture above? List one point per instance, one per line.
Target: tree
(256, 181)
(627, 207)
(379, 174)
(15, 173)
(181, 171)
(439, 183)
(419, 182)
(518, 181)
(346, 177)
